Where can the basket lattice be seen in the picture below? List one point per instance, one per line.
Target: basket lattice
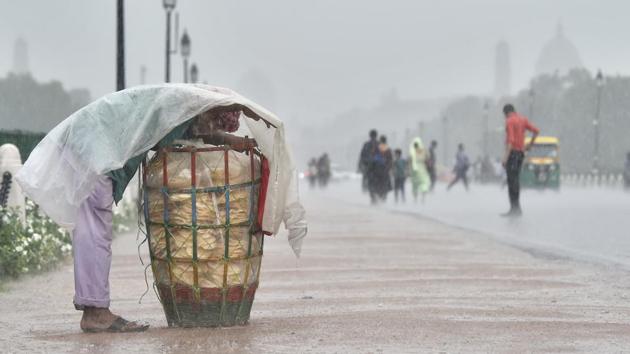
(200, 206)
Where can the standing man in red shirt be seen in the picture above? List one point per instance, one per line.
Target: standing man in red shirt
(515, 127)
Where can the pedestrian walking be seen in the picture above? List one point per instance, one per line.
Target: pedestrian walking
(323, 170)
(383, 162)
(420, 179)
(312, 172)
(367, 165)
(515, 127)
(462, 164)
(432, 163)
(400, 175)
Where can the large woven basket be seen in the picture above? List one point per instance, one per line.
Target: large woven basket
(200, 206)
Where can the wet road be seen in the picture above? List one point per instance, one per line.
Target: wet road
(369, 281)
(590, 224)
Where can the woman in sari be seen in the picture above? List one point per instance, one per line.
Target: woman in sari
(420, 179)
(383, 162)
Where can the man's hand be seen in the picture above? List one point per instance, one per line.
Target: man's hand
(242, 144)
(529, 146)
(250, 143)
(506, 155)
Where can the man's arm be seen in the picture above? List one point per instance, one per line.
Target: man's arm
(235, 142)
(529, 146)
(532, 128)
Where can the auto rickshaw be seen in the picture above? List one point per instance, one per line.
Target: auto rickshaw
(541, 168)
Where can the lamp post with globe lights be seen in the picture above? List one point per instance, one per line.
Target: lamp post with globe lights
(185, 48)
(120, 45)
(169, 6)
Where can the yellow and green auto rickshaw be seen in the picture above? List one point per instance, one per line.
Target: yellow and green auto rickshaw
(541, 168)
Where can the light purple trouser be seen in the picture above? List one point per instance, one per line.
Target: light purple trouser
(91, 244)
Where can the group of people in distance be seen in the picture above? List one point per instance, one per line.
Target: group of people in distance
(319, 171)
(379, 166)
(375, 164)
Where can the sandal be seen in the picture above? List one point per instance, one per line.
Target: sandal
(120, 325)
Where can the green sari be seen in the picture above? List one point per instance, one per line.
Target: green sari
(420, 179)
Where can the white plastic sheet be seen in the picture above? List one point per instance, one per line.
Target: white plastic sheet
(64, 167)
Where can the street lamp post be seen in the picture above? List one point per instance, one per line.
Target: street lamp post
(194, 73)
(169, 6)
(120, 45)
(599, 81)
(486, 134)
(185, 46)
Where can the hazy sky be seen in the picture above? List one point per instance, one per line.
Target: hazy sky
(322, 56)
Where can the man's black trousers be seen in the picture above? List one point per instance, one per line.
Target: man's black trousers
(513, 170)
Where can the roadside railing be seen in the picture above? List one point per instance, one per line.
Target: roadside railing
(611, 180)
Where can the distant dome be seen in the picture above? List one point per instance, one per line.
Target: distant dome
(558, 55)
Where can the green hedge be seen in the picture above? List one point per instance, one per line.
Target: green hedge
(37, 245)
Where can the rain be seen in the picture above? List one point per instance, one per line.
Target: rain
(450, 176)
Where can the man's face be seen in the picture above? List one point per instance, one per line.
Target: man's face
(217, 119)
(202, 124)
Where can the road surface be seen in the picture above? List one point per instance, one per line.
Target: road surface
(591, 224)
(369, 281)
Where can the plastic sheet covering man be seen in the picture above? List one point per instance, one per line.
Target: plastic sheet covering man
(85, 163)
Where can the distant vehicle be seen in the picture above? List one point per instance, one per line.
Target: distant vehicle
(541, 168)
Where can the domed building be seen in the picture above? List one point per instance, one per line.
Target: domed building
(559, 55)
